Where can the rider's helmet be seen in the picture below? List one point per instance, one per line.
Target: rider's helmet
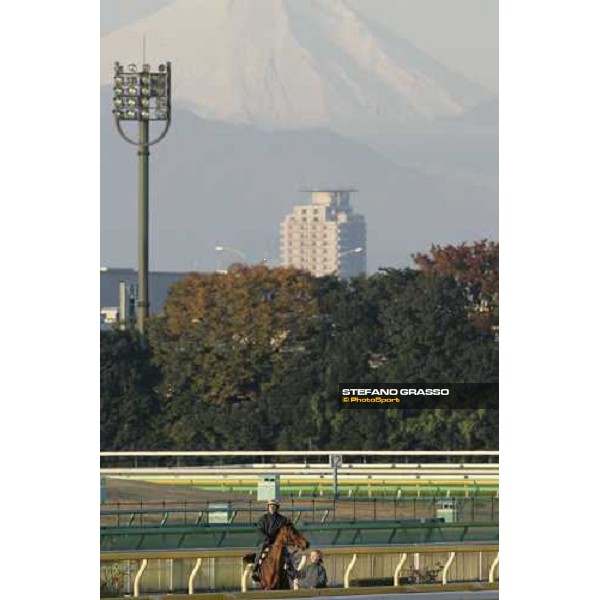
(274, 503)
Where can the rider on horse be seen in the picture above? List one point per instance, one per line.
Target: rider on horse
(268, 526)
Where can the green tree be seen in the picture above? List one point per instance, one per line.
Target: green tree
(222, 334)
(476, 266)
(440, 429)
(254, 359)
(349, 354)
(130, 408)
(429, 335)
(219, 343)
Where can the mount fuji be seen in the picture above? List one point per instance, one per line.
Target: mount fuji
(290, 64)
(273, 96)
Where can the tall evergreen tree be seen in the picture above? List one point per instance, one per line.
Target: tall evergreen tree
(429, 335)
(130, 408)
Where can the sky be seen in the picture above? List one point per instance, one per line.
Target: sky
(461, 34)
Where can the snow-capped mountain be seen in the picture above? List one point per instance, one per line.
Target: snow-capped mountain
(368, 110)
(290, 64)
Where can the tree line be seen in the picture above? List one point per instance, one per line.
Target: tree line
(253, 358)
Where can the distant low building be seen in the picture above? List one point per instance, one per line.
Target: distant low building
(159, 283)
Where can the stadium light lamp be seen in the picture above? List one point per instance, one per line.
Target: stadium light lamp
(142, 95)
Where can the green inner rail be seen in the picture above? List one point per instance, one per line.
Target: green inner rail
(325, 534)
(375, 489)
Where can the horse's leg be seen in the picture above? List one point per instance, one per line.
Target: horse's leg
(268, 574)
(268, 583)
(284, 579)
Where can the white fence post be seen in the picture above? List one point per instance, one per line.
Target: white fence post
(446, 567)
(138, 577)
(399, 568)
(245, 572)
(193, 575)
(348, 570)
(493, 567)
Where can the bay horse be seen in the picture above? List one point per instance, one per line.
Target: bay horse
(273, 575)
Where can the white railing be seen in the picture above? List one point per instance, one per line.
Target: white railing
(259, 453)
(169, 570)
(348, 467)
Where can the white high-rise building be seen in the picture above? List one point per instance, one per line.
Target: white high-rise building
(325, 237)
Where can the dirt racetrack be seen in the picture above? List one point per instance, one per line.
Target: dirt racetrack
(141, 495)
(126, 490)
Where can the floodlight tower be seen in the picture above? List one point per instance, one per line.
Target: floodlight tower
(142, 95)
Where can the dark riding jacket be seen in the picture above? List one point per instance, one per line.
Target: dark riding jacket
(268, 526)
(312, 576)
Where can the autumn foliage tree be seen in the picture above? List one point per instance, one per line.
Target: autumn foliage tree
(476, 266)
(253, 358)
(222, 334)
(220, 341)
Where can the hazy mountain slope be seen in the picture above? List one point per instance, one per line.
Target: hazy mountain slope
(221, 183)
(289, 64)
(463, 148)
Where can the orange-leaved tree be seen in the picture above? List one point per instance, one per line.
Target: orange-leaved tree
(476, 266)
(221, 335)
